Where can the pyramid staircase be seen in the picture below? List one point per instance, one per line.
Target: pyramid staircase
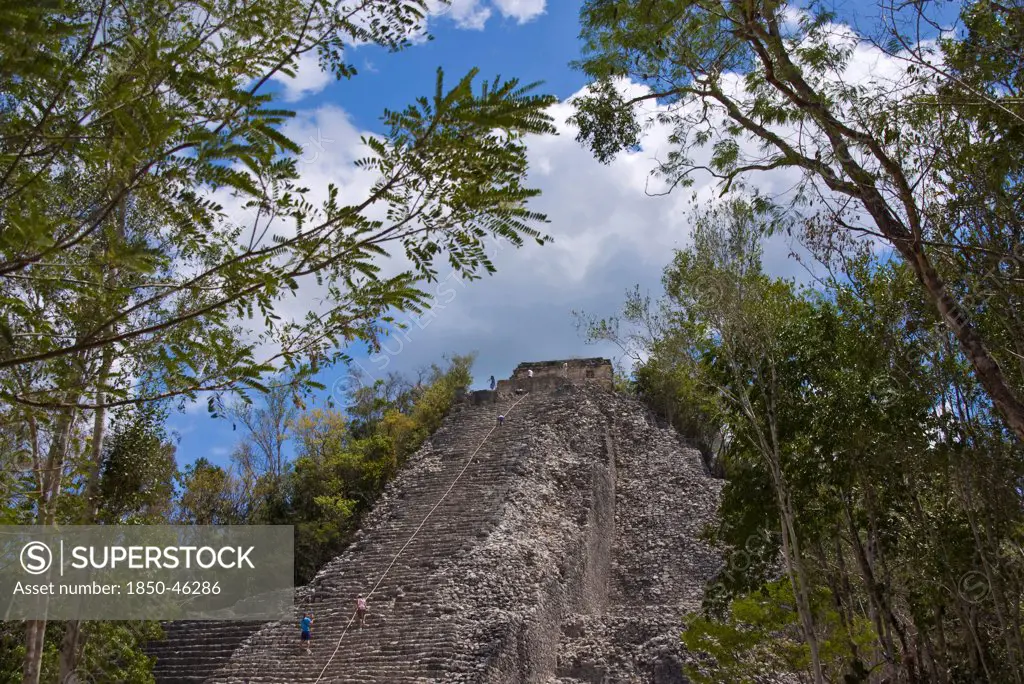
(565, 551)
(408, 637)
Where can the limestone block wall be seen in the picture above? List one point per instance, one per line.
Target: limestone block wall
(550, 557)
(613, 507)
(663, 499)
(550, 375)
(567, 552)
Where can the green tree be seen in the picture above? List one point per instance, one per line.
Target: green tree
(860, 446)
(759, 89)
(343, 461)
(368, 402)
(110, 651)
(760, 638)
(209, 496)
(153, 217)
(327, 489)
(138, 470)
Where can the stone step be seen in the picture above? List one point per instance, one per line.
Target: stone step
(397, 634)
(471, 597)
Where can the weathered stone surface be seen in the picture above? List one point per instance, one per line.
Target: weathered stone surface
(550, 375)
(567, 553)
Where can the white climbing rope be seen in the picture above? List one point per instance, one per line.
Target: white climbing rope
(469, 461)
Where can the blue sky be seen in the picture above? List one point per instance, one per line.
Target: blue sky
(538, 50)
(530, 48)
(608, 234)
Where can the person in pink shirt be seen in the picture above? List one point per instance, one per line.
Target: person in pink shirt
(361, 610)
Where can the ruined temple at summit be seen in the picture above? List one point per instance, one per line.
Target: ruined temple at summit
(567, 551)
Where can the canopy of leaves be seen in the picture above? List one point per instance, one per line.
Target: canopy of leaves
(924, 153)
(151, 205)
(852, 424)
(112, 652)
(138, 469)
(342, 461)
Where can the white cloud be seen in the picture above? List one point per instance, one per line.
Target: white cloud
(791, 18)
(469, 14)
(609, 234)
(521, 10)
(474, 14)
(466, 14)
(309, 78)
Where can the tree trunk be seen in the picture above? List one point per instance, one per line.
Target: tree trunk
(72, 644)
(937, 652)
(941, 648)
(35, 633)
(802, 586)
(768, 446)
(875, 607)
(845, 592)
(787, 77)
(70, 649)
(988, 372)
(49, 480)
(992, 577)
(99, 427)
(798, 576)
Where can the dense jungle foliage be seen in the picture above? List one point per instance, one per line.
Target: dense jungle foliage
(318, 469)
(868, 422)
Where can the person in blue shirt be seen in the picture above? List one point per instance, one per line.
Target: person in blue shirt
(306, 625)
